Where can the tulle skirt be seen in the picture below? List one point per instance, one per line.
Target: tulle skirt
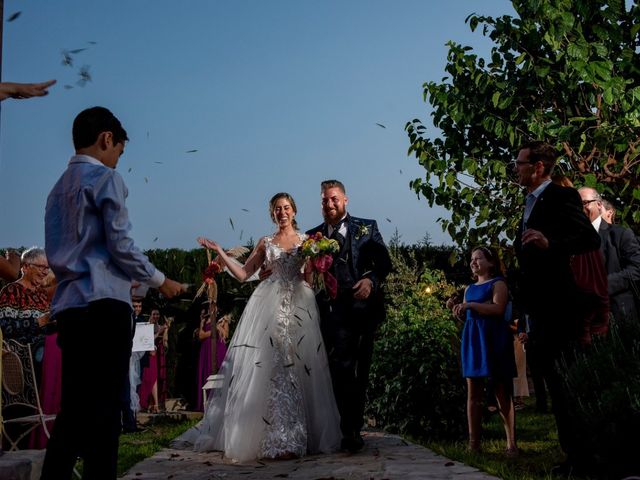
(276, 397)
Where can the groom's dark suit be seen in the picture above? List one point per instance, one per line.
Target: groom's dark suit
(548, 291)
(348, 325)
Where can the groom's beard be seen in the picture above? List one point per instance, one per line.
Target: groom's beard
(331, 218)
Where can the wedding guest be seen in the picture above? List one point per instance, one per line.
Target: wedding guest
(94, 260)
(24, 305)
(24, 90)
(10, 266)
(621, 251)
(520, 383)
(51, 377)
(204, 334)
(553, 229)
(608, 212)
(149, 386)
(129, 421)
(24, 317)
(161, 339)
(487, 345)
(591, 290)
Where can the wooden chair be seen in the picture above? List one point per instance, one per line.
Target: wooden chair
(20, 398)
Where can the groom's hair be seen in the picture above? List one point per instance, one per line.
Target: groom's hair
(332, 184)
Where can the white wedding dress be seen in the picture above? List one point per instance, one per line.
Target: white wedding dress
(276, 397)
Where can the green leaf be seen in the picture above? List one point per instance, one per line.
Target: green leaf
(495, 99)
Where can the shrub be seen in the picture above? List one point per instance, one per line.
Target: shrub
(603, 386)
(415, 384)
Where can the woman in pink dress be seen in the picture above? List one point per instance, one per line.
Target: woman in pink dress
(149, 384)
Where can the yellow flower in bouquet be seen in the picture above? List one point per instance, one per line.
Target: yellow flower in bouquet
(318, 245)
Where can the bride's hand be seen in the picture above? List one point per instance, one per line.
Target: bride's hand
(205, 242)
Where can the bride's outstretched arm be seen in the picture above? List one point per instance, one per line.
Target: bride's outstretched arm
(241, 272)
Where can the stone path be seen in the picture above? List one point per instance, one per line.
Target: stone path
(385, 456)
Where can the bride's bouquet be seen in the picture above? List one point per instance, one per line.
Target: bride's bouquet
(319, 250)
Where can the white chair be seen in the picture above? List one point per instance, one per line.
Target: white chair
(213, 382)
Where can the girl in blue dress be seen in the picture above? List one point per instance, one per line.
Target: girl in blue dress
(487, 346)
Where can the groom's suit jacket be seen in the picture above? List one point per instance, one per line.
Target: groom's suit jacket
(369, 256)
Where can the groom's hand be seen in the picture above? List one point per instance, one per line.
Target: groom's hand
(362, 289)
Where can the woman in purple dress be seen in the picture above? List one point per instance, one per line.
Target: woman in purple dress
(205, 362)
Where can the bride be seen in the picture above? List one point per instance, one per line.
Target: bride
(276, 400)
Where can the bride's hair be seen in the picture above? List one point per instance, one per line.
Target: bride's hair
(289, 198)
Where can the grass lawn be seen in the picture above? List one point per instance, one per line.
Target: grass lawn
(537, 440)
(135, 447)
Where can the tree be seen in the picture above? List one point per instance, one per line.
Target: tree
(565, 71)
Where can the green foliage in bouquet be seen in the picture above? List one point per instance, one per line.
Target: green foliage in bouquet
(603, 388)
(415, 384)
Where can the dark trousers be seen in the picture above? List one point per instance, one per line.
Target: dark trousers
(128, 417)
(555, 352)
(348, 329)
(536, 364)
(96, 345)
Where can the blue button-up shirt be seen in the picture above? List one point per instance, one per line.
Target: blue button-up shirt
(87, 237)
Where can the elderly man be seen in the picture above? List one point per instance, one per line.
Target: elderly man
(621, 252)
(552, 230)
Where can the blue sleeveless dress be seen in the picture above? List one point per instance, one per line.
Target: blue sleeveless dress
(487, 343)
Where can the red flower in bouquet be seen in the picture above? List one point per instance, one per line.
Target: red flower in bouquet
(211, 271)
(320, 250)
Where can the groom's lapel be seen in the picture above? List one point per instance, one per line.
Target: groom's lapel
(352, 230)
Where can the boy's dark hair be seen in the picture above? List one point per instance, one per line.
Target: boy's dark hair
(92, 122)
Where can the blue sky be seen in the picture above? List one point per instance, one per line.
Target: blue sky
(274, 95)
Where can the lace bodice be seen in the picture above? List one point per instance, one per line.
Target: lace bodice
(286, 265)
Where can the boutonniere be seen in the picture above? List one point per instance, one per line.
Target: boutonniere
(362, 231)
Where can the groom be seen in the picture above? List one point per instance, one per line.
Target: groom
(348, 322)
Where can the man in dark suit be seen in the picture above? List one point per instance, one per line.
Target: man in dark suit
(348, 322)
(621, 252)
(553, 229)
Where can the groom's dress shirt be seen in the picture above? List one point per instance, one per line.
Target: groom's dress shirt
(342, 227)
(87, 237)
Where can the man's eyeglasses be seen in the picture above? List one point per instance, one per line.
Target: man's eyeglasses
(42, 268)
(587, 202)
